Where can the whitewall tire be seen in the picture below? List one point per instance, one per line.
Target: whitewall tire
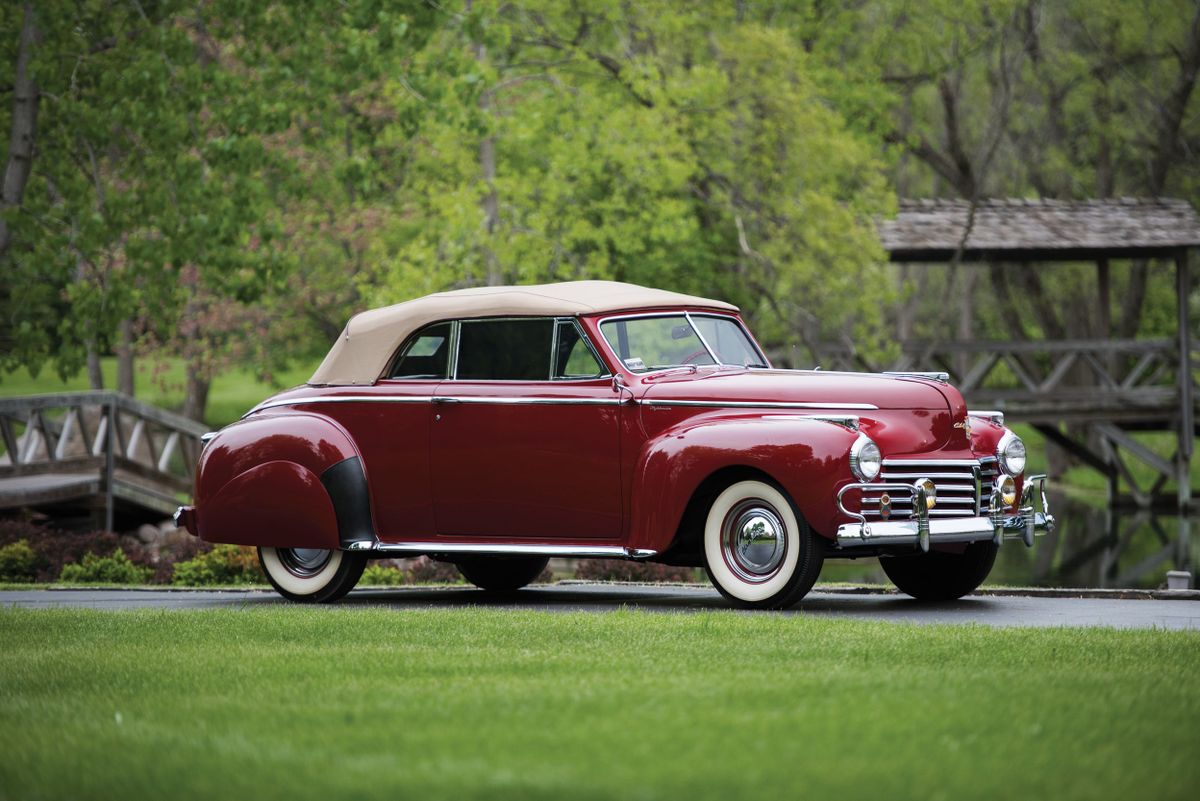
(758, 550)
(311, 575)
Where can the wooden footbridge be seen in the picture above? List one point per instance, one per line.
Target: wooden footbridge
(101, 456)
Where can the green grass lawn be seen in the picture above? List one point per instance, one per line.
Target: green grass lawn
(373, 703)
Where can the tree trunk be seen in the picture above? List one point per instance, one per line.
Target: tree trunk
(125, 382)
(487, 170)
(195, 401)
(23, 129)
(95, 374)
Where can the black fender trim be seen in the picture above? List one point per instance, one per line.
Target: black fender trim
(346, 484)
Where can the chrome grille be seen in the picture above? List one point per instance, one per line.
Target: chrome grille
(957, 492)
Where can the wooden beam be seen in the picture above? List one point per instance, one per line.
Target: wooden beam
(1076, 449)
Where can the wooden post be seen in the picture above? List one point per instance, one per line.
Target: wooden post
(109, 460)
(1104, 319)
(1187, 432)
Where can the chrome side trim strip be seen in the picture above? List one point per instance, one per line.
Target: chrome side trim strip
(432, 399)
(993, 415)
(930, 462)
(940, 377)
(532, 401)
(755, 404)
(340, 399)
(502, 549)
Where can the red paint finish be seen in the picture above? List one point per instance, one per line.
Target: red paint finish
(548, 470)
(562, 462)
(239, 500)
(250, 510)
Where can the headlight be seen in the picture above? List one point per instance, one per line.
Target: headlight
(1011, 453)
(865, 458)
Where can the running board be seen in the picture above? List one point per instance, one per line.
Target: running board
(568, 551)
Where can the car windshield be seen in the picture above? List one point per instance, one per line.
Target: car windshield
(679, 340)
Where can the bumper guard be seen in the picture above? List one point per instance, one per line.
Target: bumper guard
(992, 522)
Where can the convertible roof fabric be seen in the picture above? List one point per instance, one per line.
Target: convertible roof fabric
(367, 344)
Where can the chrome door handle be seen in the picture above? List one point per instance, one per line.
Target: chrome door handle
(443, 399)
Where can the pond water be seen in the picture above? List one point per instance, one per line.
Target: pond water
(1090, 547)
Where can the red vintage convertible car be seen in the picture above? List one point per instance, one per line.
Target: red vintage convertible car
(497, 427)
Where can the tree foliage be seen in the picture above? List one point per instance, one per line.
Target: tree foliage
(230, 180)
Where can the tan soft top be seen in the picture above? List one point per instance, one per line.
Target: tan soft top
(363, 350)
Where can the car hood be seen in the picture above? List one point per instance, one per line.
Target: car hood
(849, 392)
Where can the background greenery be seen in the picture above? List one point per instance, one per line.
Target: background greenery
(210, 190)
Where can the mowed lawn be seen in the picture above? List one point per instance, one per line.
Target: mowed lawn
(475, 703)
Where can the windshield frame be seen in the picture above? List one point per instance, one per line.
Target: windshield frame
(688, 315)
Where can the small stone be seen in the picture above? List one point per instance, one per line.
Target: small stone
(1179, 580)
(147, 533)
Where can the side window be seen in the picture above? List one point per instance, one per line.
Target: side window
(573, 358)
(426, 355)
(504, 350)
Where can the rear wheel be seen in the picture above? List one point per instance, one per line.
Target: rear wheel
(758, 550)
(311, 575)
(938, 576)
(502, 573)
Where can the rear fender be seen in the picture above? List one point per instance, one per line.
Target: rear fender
(285, 480)
(808, 458)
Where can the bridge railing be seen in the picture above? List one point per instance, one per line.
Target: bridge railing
(1059, 376)
(152, 452)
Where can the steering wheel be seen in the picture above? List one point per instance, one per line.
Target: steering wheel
(696, 355)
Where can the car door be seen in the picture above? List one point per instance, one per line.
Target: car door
(524, 442)
(390, 426)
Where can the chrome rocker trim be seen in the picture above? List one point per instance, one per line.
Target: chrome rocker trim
(924, 531)
(498, 549)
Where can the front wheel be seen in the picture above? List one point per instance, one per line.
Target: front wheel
(940, 576)
(502, 573)
(758, 550)
(311, 575)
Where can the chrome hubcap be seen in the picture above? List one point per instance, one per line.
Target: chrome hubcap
(754, 540)
(304, 562)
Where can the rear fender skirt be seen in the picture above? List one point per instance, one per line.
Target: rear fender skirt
(346, 484)
(278, 504)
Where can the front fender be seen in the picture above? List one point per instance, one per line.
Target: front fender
(284, 480)
(807, 457)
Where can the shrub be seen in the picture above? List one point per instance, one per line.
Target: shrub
(54, 548)
(18, 562)
(115, 569)
(379, 575)
(224, 564)
(424, 570)
(621, 570)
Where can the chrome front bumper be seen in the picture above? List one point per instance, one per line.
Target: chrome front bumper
(924, 531)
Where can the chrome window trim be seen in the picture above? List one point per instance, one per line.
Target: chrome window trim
(745, 330)
(553, 340)
(604, 374)
(399, 354)
(686, 314)
(712, 354)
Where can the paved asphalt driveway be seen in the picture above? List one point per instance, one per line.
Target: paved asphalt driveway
(1006, 610)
